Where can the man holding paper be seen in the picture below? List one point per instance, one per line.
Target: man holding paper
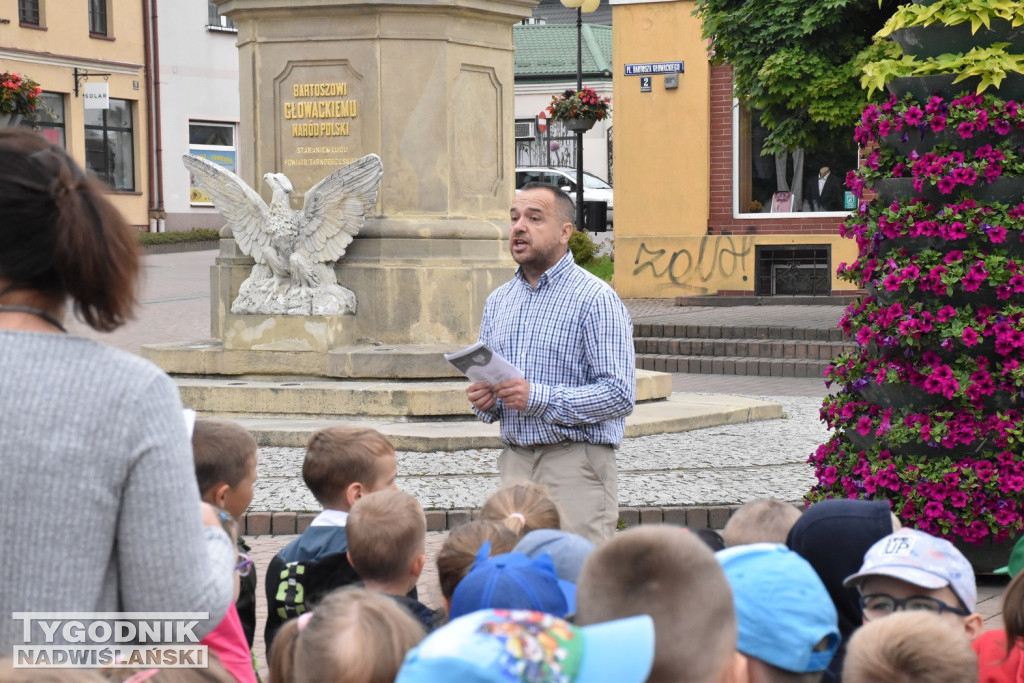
(570, 336)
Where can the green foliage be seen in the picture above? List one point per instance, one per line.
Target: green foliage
(952, 12)
(582, 246)
(797, 62)
(991, 64)
(602, 267)
(193, 235)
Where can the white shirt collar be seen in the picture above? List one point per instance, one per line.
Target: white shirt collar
(330, 518)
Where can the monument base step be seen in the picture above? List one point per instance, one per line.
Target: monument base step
(679, 412)
(318, 398)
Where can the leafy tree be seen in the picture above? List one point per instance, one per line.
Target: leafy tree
(797, 62)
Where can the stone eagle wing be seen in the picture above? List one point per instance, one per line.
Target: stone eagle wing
(336, 207)
(240, 205)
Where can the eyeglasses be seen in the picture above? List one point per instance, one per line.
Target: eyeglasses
(244, 565)
(878, 606)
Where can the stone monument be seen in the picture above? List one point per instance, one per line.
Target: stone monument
(426, 86)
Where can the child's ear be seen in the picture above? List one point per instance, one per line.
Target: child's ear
(215, 494)
(417, 565)
(353, 493)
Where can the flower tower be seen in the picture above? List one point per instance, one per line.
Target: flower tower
(928, 412)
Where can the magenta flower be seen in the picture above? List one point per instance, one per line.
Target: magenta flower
(969, 336)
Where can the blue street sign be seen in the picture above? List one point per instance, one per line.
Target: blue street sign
(654, 68)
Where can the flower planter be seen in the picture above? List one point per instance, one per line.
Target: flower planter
(899, 395)
(988, 556)
(1005, 189)
(579, 124)
(924, 141)
(936, 39)
(923, 87)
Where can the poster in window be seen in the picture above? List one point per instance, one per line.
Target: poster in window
(222, 157)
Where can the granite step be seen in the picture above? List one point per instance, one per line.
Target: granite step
(733, 365)
(777, 349)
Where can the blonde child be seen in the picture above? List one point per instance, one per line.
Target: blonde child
(522, 507)
(353, 636)
(387, 533)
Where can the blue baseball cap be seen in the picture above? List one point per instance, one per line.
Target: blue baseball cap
(783, 610)
(919, 559)
(513, 581)
(511, 646)
(567, 550)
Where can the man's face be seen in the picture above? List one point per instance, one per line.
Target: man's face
(901, 590)
(539, 235)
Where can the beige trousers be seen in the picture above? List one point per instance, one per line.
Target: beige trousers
(580, 477)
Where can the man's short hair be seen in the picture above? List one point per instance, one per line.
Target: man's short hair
(760, 521)
(342, 455)
(385, 530)
(563, 202)
(908, 647)
(670, 574)
(223, 451)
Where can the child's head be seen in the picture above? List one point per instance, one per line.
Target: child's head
(522, 507)
(458, 553)
(352, 636)
(387, 533)
(670, 574)
(914, 571)
(346, 462)
(513, 581)
(907, 648)
(788, 626)
(760, 521)
(225, 460)
(507, 645)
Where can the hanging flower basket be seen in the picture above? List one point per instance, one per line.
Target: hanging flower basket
(579, 124)
(579, 110)
(19, 97)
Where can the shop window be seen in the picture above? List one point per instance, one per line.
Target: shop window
(790, 183)
(214, 142)
(110, 144)
(49, 118)
(98, 18)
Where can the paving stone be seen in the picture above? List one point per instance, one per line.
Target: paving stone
(651, 516)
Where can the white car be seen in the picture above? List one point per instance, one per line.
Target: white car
(594, 189)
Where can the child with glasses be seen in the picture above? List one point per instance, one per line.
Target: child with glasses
(227, 640)
(915, 572)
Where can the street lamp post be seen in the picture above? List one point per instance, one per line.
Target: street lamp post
(580, 6)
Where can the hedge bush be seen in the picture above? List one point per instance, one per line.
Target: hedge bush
(176, 237)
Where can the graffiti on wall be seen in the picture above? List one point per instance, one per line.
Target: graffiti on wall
(718, 256)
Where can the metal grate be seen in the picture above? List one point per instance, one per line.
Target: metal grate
(524, 130)
(799, 270)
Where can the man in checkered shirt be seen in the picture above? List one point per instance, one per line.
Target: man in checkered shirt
(571, 337)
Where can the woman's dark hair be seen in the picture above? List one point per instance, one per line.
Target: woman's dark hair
(60, 236)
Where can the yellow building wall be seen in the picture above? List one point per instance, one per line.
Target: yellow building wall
(655, 266)
(662, 168)
(49, 55)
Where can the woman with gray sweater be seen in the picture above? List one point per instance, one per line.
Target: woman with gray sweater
(99, 509)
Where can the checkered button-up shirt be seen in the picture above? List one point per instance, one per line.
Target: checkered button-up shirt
(572, 338)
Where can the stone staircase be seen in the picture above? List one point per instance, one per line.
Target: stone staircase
(761, 350)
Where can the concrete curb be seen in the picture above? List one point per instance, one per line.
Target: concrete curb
(177, 247)
(697, 516)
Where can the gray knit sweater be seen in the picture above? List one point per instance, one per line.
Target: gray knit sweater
(99, 508)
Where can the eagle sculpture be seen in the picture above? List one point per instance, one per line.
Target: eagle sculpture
(295, 250)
